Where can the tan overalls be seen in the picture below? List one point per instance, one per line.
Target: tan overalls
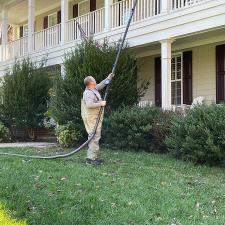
(89, 116)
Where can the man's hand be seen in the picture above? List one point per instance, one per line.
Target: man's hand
(110, 77)
(103, 103)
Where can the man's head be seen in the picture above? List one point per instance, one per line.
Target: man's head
(90, 82)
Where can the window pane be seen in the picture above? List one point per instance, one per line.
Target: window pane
(176, 80)
(84, 8)
(173, 93)
(52, 20)
(25, 30)
(178, 93)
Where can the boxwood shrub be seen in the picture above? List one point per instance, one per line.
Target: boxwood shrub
(137, 128)
(199, 136)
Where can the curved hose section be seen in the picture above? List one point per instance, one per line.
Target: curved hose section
(100, 111)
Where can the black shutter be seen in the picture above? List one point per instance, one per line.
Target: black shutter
(75, 11)
(187, 78)
(220, 73)
(21, 31)
(59, 17)
(92, 5)
(158, 85)
(45, 22)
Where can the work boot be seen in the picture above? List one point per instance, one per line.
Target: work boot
(93, 162)
(100, 161)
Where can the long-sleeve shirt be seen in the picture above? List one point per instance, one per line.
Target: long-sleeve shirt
(92, 97)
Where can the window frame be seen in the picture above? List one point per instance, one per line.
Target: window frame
(25, 26)
(79, 3)
(55, 14)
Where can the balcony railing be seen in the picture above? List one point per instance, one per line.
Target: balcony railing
(145, 9)
(88, 24)
(15, 48)
(47, 38)
(91, 24)
(179, 4)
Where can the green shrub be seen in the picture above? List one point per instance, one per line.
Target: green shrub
(91, 58)
(4, 132)
(131, 128)
(67, 135)
(200, 135)
(161, 129)
(24, 95)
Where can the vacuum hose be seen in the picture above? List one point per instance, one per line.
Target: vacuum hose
(100, 110)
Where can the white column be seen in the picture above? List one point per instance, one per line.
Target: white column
(166, 73)
(63, 72)
(165, 6)
(4, 21)
(4, 25)
(31, 16)
(64, 19)
(108, 14)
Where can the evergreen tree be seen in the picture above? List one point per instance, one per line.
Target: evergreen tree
(24, 95)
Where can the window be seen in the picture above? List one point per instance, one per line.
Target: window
(176, 80)
(25, 30)
(52, 19)
(83, 7)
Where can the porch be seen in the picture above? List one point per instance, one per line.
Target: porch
(184, 69)
(35, 27)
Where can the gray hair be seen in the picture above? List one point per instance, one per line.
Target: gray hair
(87, 80)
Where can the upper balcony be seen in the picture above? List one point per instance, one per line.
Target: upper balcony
(30, 26)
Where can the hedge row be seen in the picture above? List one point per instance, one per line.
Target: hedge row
(199, 135)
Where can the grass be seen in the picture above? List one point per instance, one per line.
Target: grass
(5, 219)
(131, 188)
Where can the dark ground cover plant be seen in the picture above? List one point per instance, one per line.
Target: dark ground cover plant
(91, 58)
(199, 136)
(24, 95)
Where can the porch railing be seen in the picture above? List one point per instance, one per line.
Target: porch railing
(47, 38)
(179, 4)
(15, 48)
(145, 9)
(91, 23)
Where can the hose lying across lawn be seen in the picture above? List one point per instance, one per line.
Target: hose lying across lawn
(100, 111)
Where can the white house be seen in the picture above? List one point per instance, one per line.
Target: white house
(180, 44)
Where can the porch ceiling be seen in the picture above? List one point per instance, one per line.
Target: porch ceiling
(19, 12)
(193, 40)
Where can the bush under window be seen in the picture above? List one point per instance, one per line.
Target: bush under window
(199, 136)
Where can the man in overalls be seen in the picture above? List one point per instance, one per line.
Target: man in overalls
(90, 106)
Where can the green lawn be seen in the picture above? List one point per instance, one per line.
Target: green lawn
(131, 188)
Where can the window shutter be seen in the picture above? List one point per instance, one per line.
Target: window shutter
(158, 85)
(21, 31)
(75, 11)
(92, 5)
(187, 78)
(220, 73)
(45, 22)
(59, 17)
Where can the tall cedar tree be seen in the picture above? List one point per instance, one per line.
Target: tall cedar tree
(24, 95)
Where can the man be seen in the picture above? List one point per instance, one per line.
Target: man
(90, 106)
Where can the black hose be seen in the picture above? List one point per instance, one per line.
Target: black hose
(100, 111)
